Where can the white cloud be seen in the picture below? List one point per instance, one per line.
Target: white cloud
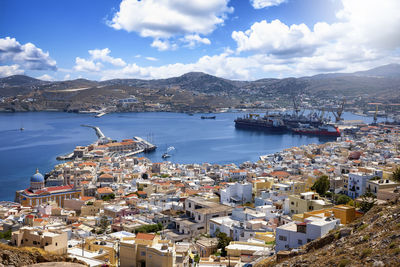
(9, 70)
(28, 55)
(82, 64)
(94, 64)
(165, 19)
(366, 33)
(193, 39)
(103, 55)
(151, 58)
(45, 77)
(258, 4)
(67, 77)
(163, 45)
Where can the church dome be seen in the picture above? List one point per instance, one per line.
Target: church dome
(37, 177)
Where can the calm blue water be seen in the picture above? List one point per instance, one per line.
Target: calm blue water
(49, 134)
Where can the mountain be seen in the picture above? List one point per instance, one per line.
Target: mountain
(203, 92)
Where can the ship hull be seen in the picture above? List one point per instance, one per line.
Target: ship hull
(260, 126)
(319, 133)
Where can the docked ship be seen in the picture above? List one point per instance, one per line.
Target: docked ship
(323, 130)
(267, 123)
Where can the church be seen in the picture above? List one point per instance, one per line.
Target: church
(37, 193)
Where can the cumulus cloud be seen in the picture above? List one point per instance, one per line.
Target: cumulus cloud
(45, 77)
(94, 62)
(365, 32)
(28, 55)
(9, 70)
(103, 55)
(164, 19)
(163, 45)
(258, 4)
(192, 40)
(82, 64)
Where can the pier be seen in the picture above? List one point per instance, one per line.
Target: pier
(147, 147)
(99, 133)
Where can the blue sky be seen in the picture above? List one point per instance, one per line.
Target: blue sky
(237, 39)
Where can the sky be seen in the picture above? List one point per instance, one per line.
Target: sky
(234, 39)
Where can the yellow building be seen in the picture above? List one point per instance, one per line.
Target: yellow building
(345, 213)
(307, 201)
(262, 183)
(51, 241)
(147, 250)
(37, 193)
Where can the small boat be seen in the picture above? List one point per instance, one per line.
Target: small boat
(21, 129)
(165, 155)
(208, 117)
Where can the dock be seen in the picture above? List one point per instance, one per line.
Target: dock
(99, 133)
(147, 147)
(100, 114)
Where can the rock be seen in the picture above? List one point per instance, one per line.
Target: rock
(378, 264)
(345, 232)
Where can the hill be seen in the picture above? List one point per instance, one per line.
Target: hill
(374, 240)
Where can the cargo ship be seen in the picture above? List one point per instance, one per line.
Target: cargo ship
(323, 130)
(266, 123)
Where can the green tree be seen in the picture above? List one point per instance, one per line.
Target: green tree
(368, 200)
(321, 185)
(396, 175)
(223, 241)
(341, 199)
(149, 228)
(104, 223)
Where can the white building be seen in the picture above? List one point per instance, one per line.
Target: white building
(236, 193)
(358, 182)
(296, 234)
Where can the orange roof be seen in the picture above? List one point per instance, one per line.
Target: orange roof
(106, 175)
(86, 198)
(144, 236)
(104, 190)
(280, 173)
(141, 193)
(38, 220)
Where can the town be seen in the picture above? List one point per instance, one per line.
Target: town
(107, 206)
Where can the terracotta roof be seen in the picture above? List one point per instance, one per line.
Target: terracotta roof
(280, 174)
(104, 190)
(144, 236)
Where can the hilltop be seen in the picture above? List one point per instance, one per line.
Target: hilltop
(372, 240)
(201, 92)
(27, 256)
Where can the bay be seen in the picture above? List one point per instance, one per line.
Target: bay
(47, 135)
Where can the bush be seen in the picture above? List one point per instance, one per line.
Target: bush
(341, 199)
(344, 262)
(149, 228)
(5, 235)
(321, 185)
(366, 252)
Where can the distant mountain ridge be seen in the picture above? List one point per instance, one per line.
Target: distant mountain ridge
(383, 81)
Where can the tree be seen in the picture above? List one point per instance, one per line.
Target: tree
(223, 241)
(341, 199)
(321, 185)
(367, 201)
(396, 175)
(104, 223)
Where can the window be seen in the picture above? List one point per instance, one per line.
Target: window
(142, 253)
(299, 242)
(56, 244)
(34, 242)
(190, 205)
(282, 238)
(211, 226)
(292, 203)
(199, 217)
(47, 244)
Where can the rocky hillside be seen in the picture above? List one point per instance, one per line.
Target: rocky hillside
(28, 256)
(373, 240)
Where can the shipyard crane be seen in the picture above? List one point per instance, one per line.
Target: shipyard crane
(296, 107)
(339, 112)
(376, 115)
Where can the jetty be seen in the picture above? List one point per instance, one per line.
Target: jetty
(147, 146)
(99, 133)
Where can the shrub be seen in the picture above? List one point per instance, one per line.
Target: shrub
(344, 262)
(366, 252)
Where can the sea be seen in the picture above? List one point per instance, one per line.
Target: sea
(47, 135)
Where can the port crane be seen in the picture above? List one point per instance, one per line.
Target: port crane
(339, 112)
